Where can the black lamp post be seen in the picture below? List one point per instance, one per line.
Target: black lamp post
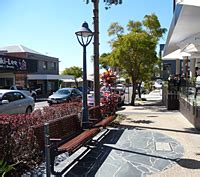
(84, 37)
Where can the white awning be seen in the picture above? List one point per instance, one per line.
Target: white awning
(48, 77)
(190, 2)
(185, 23)
(177, 54)
(68, 80)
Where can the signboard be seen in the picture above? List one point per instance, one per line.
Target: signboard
(12, 63)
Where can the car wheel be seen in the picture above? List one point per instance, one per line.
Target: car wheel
(50, 103)
(34, 97)
(119, 101)
(29, 110)
(69, 100)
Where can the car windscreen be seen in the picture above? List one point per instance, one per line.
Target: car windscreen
(63, 92)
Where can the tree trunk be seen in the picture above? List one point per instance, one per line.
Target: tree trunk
(139, 89)
(134, 92)
(76, 83)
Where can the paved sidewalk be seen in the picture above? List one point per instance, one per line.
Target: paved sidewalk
(151, 141)
(170, 123)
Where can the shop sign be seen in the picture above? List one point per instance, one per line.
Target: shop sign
(9, 63)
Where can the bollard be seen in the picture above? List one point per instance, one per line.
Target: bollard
(47, 149)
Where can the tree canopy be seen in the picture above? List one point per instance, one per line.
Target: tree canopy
(75, 71)
(134, 53)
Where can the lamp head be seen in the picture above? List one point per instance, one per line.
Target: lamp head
(84, 35)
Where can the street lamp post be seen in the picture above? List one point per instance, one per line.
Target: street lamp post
(84, 37)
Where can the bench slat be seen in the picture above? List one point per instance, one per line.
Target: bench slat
(106, 121)
(78, 141)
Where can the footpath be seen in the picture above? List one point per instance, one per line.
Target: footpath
(150, 141)
(151, 116)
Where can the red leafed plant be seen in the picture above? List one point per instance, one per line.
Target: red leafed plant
(22, 147)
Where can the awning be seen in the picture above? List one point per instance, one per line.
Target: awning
(48, 77)
(177, 54)
(190, 2)
(68, 80)
(185, 23)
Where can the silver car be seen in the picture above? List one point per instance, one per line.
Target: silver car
(15, 102)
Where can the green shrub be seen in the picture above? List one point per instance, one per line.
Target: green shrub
(5, 168)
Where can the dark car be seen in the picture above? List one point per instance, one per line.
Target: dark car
(81, 89)
(65, 95)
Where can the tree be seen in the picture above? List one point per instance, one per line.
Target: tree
(104, 61)
(108, 4)
(135, 52)
(75, 71)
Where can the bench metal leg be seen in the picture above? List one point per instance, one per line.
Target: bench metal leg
(53, 172)
(47, 150)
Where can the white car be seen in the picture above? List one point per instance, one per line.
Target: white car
(157, 85)
(26, 91)
(15, 102)
(121, 86)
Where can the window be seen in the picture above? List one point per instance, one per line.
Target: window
(45, 65)
(9, 97)
(53, 65)
(13, 96)
(18, 96)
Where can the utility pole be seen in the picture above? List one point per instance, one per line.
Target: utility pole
(96, 52)
(96, 44)
(174, 5)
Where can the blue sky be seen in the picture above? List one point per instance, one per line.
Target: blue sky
(49, 26)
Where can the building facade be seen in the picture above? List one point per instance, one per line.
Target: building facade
(22, 66)
(182, 47)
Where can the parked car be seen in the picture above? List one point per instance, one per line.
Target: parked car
(157, 85)
(24, 90)
(121, 86)
(90, 98)
(121, 95)
(65, 95)
(15, 102)
(81, 89)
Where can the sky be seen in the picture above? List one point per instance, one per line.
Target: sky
(49, 26)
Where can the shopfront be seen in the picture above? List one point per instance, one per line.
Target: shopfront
(183, 45)
(25, 67)
(13, 71)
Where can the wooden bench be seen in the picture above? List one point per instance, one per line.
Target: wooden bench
(95, 115)
(66, 135)
(99, 120)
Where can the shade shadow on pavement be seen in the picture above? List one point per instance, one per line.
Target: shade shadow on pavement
(92, 161)
(187, 130)
(142, 121)
(188, 163)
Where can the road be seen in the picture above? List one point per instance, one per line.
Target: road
(41, 104)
